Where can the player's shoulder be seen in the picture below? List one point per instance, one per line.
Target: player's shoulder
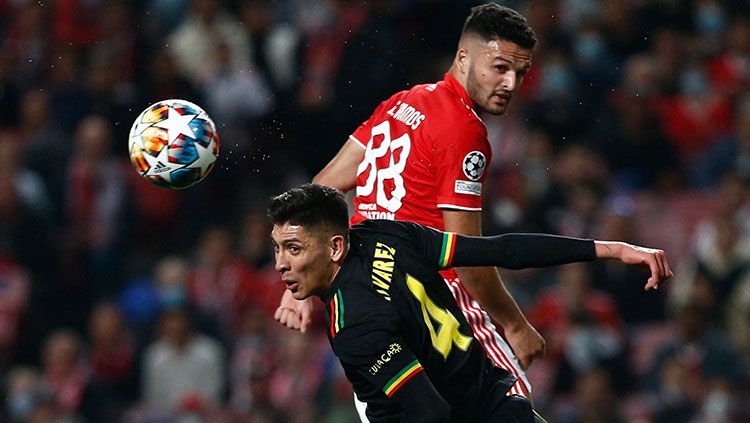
(375, 229)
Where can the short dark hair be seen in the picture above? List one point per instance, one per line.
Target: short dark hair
(313, 206)
(491, 22)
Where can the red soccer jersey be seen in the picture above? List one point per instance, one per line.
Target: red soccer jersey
(425, 150)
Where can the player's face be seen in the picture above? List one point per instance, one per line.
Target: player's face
(495, 70)
(303, 258)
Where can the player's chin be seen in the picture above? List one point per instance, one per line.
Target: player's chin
(298, 294)
(496, 108)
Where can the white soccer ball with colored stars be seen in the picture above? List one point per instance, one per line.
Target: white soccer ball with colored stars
(173, 144)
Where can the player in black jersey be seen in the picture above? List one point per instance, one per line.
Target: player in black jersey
(392, 321)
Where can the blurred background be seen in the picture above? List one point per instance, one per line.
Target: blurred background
(121, 301)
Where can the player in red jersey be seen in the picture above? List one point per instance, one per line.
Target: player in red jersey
(422, 156)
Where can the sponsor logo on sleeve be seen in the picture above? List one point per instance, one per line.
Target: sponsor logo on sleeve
(474, 164)
(468, 187)
(384, 358)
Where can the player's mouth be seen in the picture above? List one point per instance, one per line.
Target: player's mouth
(502, 97)
(291, 285)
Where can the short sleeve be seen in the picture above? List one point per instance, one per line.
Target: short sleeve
(462, 156)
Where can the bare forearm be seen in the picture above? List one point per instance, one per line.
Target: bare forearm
(486, 287)
(341, 171)
(608, 249)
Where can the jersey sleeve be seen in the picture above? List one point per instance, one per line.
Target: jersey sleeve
(461, 155)
(378, 355)
(510, 251)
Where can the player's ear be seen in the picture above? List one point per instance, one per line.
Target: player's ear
(462, 59)
(338, 245)
(462, 56)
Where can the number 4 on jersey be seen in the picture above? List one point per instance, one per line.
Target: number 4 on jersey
(447, 333)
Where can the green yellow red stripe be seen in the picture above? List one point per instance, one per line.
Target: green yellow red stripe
(337, 313)
(446, 252)
(402, 377)
(340, 309)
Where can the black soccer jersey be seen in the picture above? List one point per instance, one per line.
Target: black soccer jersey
(391, 316)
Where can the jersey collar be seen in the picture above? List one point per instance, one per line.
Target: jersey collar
(341, 277)
(453, 85)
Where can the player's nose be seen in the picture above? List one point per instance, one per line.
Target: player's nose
(281, 265)
(509, 81)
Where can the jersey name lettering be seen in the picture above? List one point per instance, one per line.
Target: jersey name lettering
(382, 269)
(407, 114)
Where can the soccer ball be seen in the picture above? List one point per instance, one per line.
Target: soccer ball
(173, 144)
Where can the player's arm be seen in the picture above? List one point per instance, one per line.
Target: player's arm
(384, 361)
(527, 250)
(341, 171)
(484, 285)
(521, 251)
(421, 401)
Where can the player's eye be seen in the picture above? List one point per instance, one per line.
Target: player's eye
(521, 74)
(294, 249)
(501, 68)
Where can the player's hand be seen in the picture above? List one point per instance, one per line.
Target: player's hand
(293, 313)
(653, 259)
(527, 344)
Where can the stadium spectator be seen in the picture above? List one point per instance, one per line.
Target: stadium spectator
(15, 293)
(635, 146)
(23, 391)
(592, 401)
(262, 407)
(697, 362)
(277, 44)
(112, 358)
(730, 153)
(219, 285)
(181, 368)
(46, 148)
(253, 249)
(66, 374)
(584, 328)
(143, 299)
(26, 42)
(30, 188)
(95, 194)
(236, 96)
(253, 356)
(299, 372)
(198, 37)
(721, 253)
(696, 115)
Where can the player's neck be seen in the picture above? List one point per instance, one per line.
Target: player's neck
(458, 75)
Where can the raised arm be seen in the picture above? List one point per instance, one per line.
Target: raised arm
(484, 284)
(521, 251)
(341, 171)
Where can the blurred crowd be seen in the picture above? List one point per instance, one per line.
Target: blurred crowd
(123, 301)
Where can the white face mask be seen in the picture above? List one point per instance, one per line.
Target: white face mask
(21, 405)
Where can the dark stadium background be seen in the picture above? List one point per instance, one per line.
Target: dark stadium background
(634, 124)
